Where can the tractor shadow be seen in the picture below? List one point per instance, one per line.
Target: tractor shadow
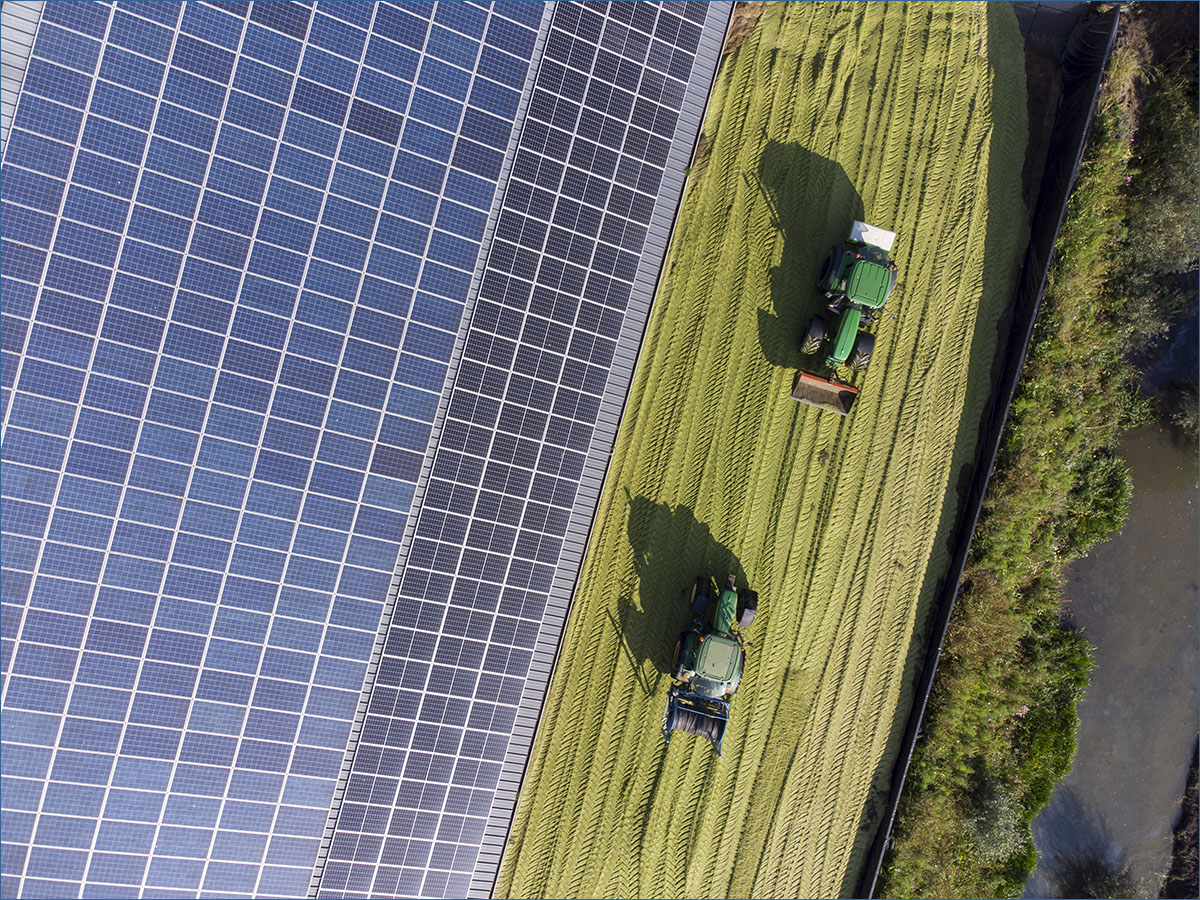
(670, 549)
(813, 202)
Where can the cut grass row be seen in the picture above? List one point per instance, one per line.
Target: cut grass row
(913, 117)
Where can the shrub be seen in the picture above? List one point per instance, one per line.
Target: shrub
(1158, 259)
(1097, 503)
(998, 829)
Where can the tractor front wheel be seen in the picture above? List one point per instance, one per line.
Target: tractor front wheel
(862, 351)
(814, 336)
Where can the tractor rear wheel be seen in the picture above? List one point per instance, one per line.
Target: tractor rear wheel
(862, 351)
(700, 597)
(814, 336)
(826, 270)
(749, 608)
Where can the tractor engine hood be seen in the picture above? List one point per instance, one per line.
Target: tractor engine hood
(847, 332)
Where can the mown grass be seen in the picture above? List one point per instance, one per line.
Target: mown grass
(913, 117)
(1000, 730)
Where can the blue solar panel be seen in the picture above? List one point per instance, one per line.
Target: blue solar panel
(525, 397)
(240, 242)
(232, 438)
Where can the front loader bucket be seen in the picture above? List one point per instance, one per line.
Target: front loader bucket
(692, 714)
(824, 393)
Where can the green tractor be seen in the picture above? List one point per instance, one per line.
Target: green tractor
(857, 278)
(709, 659)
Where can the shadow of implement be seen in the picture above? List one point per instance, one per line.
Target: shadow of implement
(624, 623)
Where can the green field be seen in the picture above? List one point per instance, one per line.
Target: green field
(912, 117)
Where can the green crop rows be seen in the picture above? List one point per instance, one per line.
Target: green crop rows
(911, 117)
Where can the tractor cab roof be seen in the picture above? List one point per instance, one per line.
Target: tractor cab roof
(870, 283)
(864, 233)
(719, 658)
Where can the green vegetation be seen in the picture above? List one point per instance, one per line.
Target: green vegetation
(1158, 258)
(1000, 730)
(912, 117)
(1157, 261)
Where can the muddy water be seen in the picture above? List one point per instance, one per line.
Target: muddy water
(1136, 599)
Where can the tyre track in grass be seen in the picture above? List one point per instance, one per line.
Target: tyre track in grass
(832, 520)
(614, 771)
(783, 695)
(584, 822)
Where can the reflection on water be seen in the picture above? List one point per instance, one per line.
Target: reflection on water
(1177, 361)
(1136, 599)
(1075, 845)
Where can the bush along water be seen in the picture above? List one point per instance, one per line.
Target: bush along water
(1000, 729)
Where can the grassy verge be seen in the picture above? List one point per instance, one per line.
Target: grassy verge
(1000, 731)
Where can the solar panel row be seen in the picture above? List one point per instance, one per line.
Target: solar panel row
(245, 418)
(520, 422)
(229, 303)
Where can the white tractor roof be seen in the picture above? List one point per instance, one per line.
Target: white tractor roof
(862, 233)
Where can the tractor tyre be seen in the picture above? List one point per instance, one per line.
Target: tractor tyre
(749, 608)
(862, 351)
(826, 270)
(701, 594)
(814, 336)
(676, 669)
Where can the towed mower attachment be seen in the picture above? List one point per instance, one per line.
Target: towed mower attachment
(826, 393)
(692, 714)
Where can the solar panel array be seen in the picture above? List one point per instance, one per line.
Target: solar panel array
(239, 242)
(489, 537)
(237, 245)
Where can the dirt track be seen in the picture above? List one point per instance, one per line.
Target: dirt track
(912, 117)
